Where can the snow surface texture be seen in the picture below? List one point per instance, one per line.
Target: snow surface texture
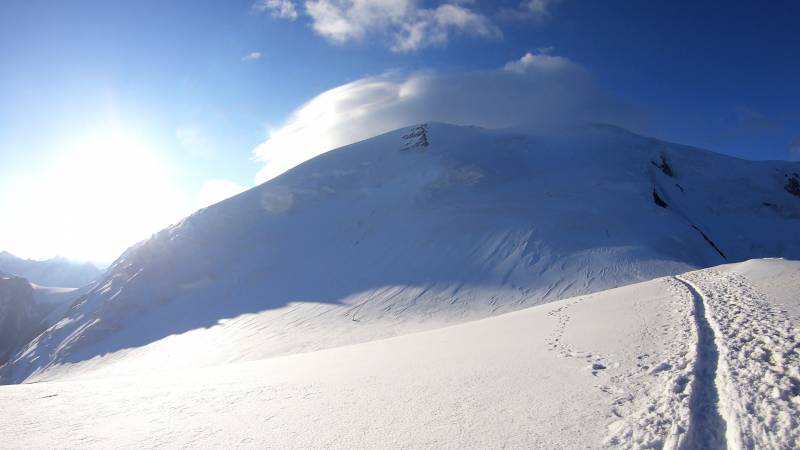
(623, 368)
(412, 230)
(758, 376)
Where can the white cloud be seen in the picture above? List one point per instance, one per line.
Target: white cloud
(540, 62)
(215, 191)
(538, 8)
(433, 27)
(537, 90)
(280, 9)
(406, 25)
(403, 23)
(252, 56)
(532, 9)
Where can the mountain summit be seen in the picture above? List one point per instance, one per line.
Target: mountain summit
(412, 229)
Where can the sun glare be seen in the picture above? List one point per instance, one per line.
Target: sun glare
(103, 194)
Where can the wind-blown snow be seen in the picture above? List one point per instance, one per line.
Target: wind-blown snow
(412, 230)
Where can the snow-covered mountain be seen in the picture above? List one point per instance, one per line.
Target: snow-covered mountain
(51, 272)
(414, 229)
(27, 309)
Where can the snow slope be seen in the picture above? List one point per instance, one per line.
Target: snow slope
(412, 230)
(671, 363)
(56, 301)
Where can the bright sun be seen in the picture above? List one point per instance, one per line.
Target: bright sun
(101, 195)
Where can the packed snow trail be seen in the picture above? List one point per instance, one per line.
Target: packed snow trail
(735, 382)
(706, 426)
(758, 374)
(627, 368)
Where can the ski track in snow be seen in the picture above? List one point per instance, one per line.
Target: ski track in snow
(758, 374)
(706, 426)
(731, 379)
(702, 360)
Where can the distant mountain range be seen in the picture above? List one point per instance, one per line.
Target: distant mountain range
(60, 272)
(34, 294)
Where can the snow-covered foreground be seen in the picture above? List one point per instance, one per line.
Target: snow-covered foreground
(705, 359)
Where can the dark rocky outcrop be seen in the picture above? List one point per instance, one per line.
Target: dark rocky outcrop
(417, 137)
(792, 185)
(658, 200)
(20, 316)
(664, 165)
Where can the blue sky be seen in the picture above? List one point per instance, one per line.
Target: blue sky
(200, 85)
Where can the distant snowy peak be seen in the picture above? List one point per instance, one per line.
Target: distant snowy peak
(420, 227)
(57, 271)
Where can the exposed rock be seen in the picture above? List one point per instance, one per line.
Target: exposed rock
(20, 317)
(417, 137)
(792, 185)
(664, 166)
(658, 200)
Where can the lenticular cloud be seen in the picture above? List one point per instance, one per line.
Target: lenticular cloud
(538, 91)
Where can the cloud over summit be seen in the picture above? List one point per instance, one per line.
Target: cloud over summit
(538, 90)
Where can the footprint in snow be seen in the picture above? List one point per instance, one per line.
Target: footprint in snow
(596, 368)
